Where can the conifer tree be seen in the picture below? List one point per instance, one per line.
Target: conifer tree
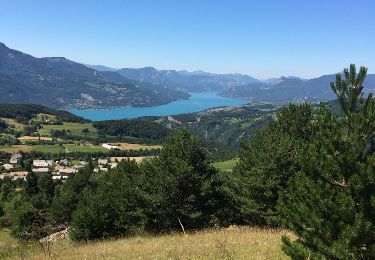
(329, 204)
(266, 163)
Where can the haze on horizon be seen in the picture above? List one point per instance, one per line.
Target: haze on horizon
(263, 39)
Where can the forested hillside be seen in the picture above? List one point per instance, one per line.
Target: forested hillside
(60, 83)
(291, 89)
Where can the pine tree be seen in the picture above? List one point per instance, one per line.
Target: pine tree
(329, 204)
(182, 176)
(266, 163)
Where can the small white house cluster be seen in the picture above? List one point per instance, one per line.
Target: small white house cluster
(10, 169)
(60, 169)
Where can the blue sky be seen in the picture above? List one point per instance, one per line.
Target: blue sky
(260, 38)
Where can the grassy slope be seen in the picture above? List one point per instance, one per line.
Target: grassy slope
(226, 165)
(13, 122)
(74, 128)
(231, 243)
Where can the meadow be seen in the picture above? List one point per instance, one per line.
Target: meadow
(72, 128)
(226, 165)
(229, 243)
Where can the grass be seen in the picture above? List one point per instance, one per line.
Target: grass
(230, 243)
(128, 146)
(72, 128)
(84, 149)
(226, 165)
(14, 123)
(34, 138)
(41, 117)
(16, 148)
(67, 147)
(45, 148)
(233, 121)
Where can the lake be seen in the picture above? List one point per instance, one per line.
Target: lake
(197, 102)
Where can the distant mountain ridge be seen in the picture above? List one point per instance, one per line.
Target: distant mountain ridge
(61, 83)
(196, 81)
(284, 88)
(292, 89)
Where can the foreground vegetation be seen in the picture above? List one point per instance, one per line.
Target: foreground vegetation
(230, 243)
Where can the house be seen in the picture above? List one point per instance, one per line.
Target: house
(21, 174)
(64, 162)
(113, 165)
(59, 177)
(14, 175)
(83, 163)
(49, 162)
(40, 170)
(40, 163)
(109, 146)
(102, 161)
(18, 175)
(63, 171)
(8, 166)
(15, 158)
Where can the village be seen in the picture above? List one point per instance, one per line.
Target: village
(60, 169)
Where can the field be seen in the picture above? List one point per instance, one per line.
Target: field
(16, 148)
(14, 123)
(84, 149)
(230, 243)
(33, 138)
(72, 128)
(128, 146)
(55, 148)
(226, 165)
(44, 148)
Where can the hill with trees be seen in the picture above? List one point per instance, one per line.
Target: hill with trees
(291, 89)
(60, 83)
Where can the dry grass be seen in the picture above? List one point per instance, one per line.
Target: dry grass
(232, 243)
(16, 148)
(34, 138)
(127, 146)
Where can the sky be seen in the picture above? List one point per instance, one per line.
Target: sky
(263, 39)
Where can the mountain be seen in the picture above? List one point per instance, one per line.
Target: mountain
(60, 83)
(195, 81)
(272, 81)
(100, 68)
(292, 89)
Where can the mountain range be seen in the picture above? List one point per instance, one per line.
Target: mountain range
(195, 81)
(281, 89)
(292, 89)
(61, 83)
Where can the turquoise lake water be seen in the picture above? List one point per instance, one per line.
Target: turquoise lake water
(197, 102)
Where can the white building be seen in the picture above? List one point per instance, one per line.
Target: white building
(109, 146)
(40, 170)
(40, 163)
(15, 158)
(8, 166)
(102, 161)
(63, 171)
